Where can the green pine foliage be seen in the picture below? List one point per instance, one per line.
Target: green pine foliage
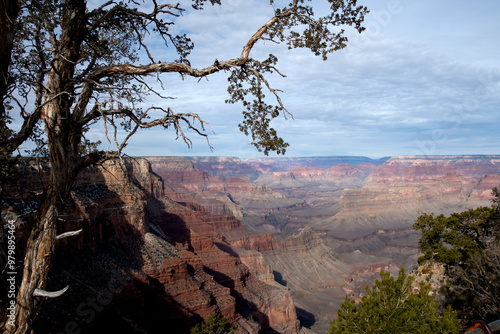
(455, 239)
(390, 306)
(468, 245)
(215, 324)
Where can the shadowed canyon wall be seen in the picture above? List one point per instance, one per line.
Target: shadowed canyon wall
(144, 263)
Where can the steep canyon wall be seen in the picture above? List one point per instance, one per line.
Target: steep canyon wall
(145, 263)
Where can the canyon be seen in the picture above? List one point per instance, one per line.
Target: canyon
(273, 244)
(327, 226)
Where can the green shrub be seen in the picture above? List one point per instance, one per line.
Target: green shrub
(215, 324)
(391, 307)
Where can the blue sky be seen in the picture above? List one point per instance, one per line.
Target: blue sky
(424, 78)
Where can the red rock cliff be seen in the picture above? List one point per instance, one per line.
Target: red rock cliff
(146, 263)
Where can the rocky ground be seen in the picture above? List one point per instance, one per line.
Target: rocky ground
(144, 263)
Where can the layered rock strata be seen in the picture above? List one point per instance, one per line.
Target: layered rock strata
(144, 263)
(326, 227)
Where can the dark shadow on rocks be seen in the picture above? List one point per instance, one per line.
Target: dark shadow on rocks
(279, 278)
(243, 306)
(109, 292)
(306, 319)
(109, 289)
(227, 249)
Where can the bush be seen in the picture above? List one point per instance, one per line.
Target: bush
(215, 324)
(390, 306)
(467, 244)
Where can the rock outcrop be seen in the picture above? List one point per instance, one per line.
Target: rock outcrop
(319, 278)
(145, 263)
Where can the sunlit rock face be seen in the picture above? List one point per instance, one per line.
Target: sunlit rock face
(325, 227)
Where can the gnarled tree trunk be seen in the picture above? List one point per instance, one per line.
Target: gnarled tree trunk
(42, 241)
(38, 258)
(64, 137)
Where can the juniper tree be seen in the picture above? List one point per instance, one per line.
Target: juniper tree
(215, 324)
(467, 245)
(75, 67)
(391, 306)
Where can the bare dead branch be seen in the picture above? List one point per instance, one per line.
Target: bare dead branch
(151, 89)
(258, 35)
(125, 141)
(172, 67)
(47, 294)
(119, 9)
(68, 234)
(94, 78)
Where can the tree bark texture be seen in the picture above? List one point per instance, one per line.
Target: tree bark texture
(41, 243)
(64, 137)
(38, 258)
